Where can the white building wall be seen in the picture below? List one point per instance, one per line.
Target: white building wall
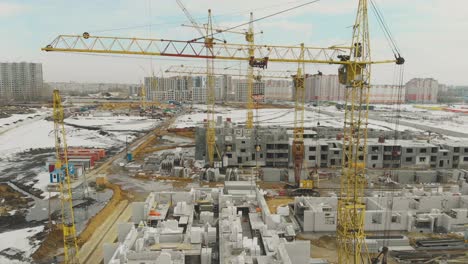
(387, 94)
(20, 80)
(323, 88)
(240, 90)
(422, 90)
(278, 89)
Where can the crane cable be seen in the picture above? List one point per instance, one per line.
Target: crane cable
(258, 19)
(386, 30)
(230, 14)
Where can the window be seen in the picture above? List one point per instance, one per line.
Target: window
(281, 155)
(423, 150)
(396, 218)
(466, 150)
(282, 146)
(433, 158)
(243, 141)
(242, 150)
(434, 150)
(409, 159)
(229, 155)
(253, 156)
(329, 220)
(422, 159)
(336, 152)
(324, 148)
(361, 157)
(374, 157)
(465, 158)
(445, 153)
(456, 149)
(324, 157)
(375, 149)
(311, 157)
(261, 155)
(377, 218)
(239, 159)
(269, 155)
(410, 150)
(312, 148)
(387, 148)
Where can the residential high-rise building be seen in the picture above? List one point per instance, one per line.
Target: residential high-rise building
(241, 90)
(163, 89)
(422, 90)
(387, 94)
(278, 89)
(20, 81)
(186, 88)
(323, 88)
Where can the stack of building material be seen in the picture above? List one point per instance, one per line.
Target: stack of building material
(206, 256)
(196, 235)
(206, 217)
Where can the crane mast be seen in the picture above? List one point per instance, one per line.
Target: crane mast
(62, 173)
(298, 133)
(250, 74)
(142, 97)
(356, 77)
(210, 92)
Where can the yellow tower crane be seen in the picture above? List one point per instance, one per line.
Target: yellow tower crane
(142, 97)
(298, 133)
(258, 76)
(207, 36)
(61, 175)
(354, 72)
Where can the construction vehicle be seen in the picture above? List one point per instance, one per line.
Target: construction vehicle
(354, 73)
(305, 188)
(61, 176)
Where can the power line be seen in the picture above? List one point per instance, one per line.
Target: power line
(261, 18)
(178, 22)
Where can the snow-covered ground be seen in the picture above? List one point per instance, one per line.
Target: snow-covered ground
(279, 117)
(39, 134)
(16, 118)
(114, 123)
(19, 243)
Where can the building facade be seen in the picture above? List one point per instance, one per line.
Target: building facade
(271, 147)
(278, 89)
(422, 90)
(241, 90)
(20, 81)
(387, 94)
(323, 88)
(185, 88)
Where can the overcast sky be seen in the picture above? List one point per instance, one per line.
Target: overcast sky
(429, 33)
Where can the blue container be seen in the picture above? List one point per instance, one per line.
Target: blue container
(129, 157)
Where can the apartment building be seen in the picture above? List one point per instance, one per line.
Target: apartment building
(271, 147)
(387, 94)
(185, 88)
(323, 88)
(241, 90)
(20, 81)
(422, 90)
(278, 89)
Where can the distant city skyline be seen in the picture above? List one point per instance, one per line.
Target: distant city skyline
(429, 34)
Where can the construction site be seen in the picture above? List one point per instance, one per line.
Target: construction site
(238, 165)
